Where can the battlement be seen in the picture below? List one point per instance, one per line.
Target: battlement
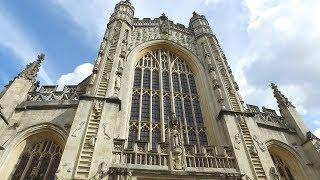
(268, 117)
(148, 22)
(51, 93)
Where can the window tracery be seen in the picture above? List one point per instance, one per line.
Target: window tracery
(39, 161)
(282, 168)
(166, 85)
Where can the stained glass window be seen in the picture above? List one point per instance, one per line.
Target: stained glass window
(165, 81)
(146, 79)
(137, 78)
(155, 80)
(133, 133)
(156, 138)
(167, 108)
(155, 108)
(175, 79)
(144, 134)
(192, 137)
(44, 156)
(135, 106)
(145, 110)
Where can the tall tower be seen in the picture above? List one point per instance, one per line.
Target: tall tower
(223, 83)
(88, 148)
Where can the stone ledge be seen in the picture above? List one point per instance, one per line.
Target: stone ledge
(47, 104)
(114, 100)
(229, 112)
(163, 171)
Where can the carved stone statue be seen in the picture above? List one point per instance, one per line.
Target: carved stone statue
(120, 64)
(92, 141)
(117, 85)
(102, 171)
(237, 141)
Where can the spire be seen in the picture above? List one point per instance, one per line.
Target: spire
(281, 99)
(32, 69)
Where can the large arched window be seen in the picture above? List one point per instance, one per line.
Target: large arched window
(164, 83)
(282, 167)
(38, 161)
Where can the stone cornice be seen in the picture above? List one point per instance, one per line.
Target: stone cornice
(229, 112)
(113, 100)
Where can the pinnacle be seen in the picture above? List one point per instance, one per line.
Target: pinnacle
(281, 99)
(41, 57)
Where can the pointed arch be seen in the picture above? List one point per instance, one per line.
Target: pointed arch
(166, 53)
(287, 161)
(31, 148)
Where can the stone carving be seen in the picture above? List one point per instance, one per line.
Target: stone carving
(253, 150)
(237, 141)
(274, 173)
(261, 145)
(176, 143)
(74, 133)
(117, 85)
(219, 95)
(62, 170)
(120, 64)
(92, 141)
(97, 105)
(102, 171)
(105, 131)
(120, 173)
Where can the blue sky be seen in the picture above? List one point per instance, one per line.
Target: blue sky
(265, 41)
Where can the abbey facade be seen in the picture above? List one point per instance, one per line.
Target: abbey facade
(161, 103)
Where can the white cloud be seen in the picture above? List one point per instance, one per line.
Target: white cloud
(283, 47)
(13, 38)
(79, 74)
(317, 133)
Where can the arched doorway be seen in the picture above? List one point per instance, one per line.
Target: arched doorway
(286, 163)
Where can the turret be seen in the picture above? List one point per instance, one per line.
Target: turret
(289, 112)
(17, 90)
(123, 11)
(199, 25)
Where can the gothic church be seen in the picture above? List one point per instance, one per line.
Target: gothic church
(161, 103)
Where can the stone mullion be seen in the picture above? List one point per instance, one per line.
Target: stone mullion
(173, 108)
(163, 132)
(150, 104)
(140, 105)
(27, 166)
(183, 110)
(49, 165)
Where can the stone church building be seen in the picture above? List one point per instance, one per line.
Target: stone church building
(161, 103)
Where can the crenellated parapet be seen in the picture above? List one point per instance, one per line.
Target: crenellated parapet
(199, 25)
(50, 93)
(123, 11)
(268, 117)
(147, 29)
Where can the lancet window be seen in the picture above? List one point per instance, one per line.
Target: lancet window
(164, 83)
(39, 161)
